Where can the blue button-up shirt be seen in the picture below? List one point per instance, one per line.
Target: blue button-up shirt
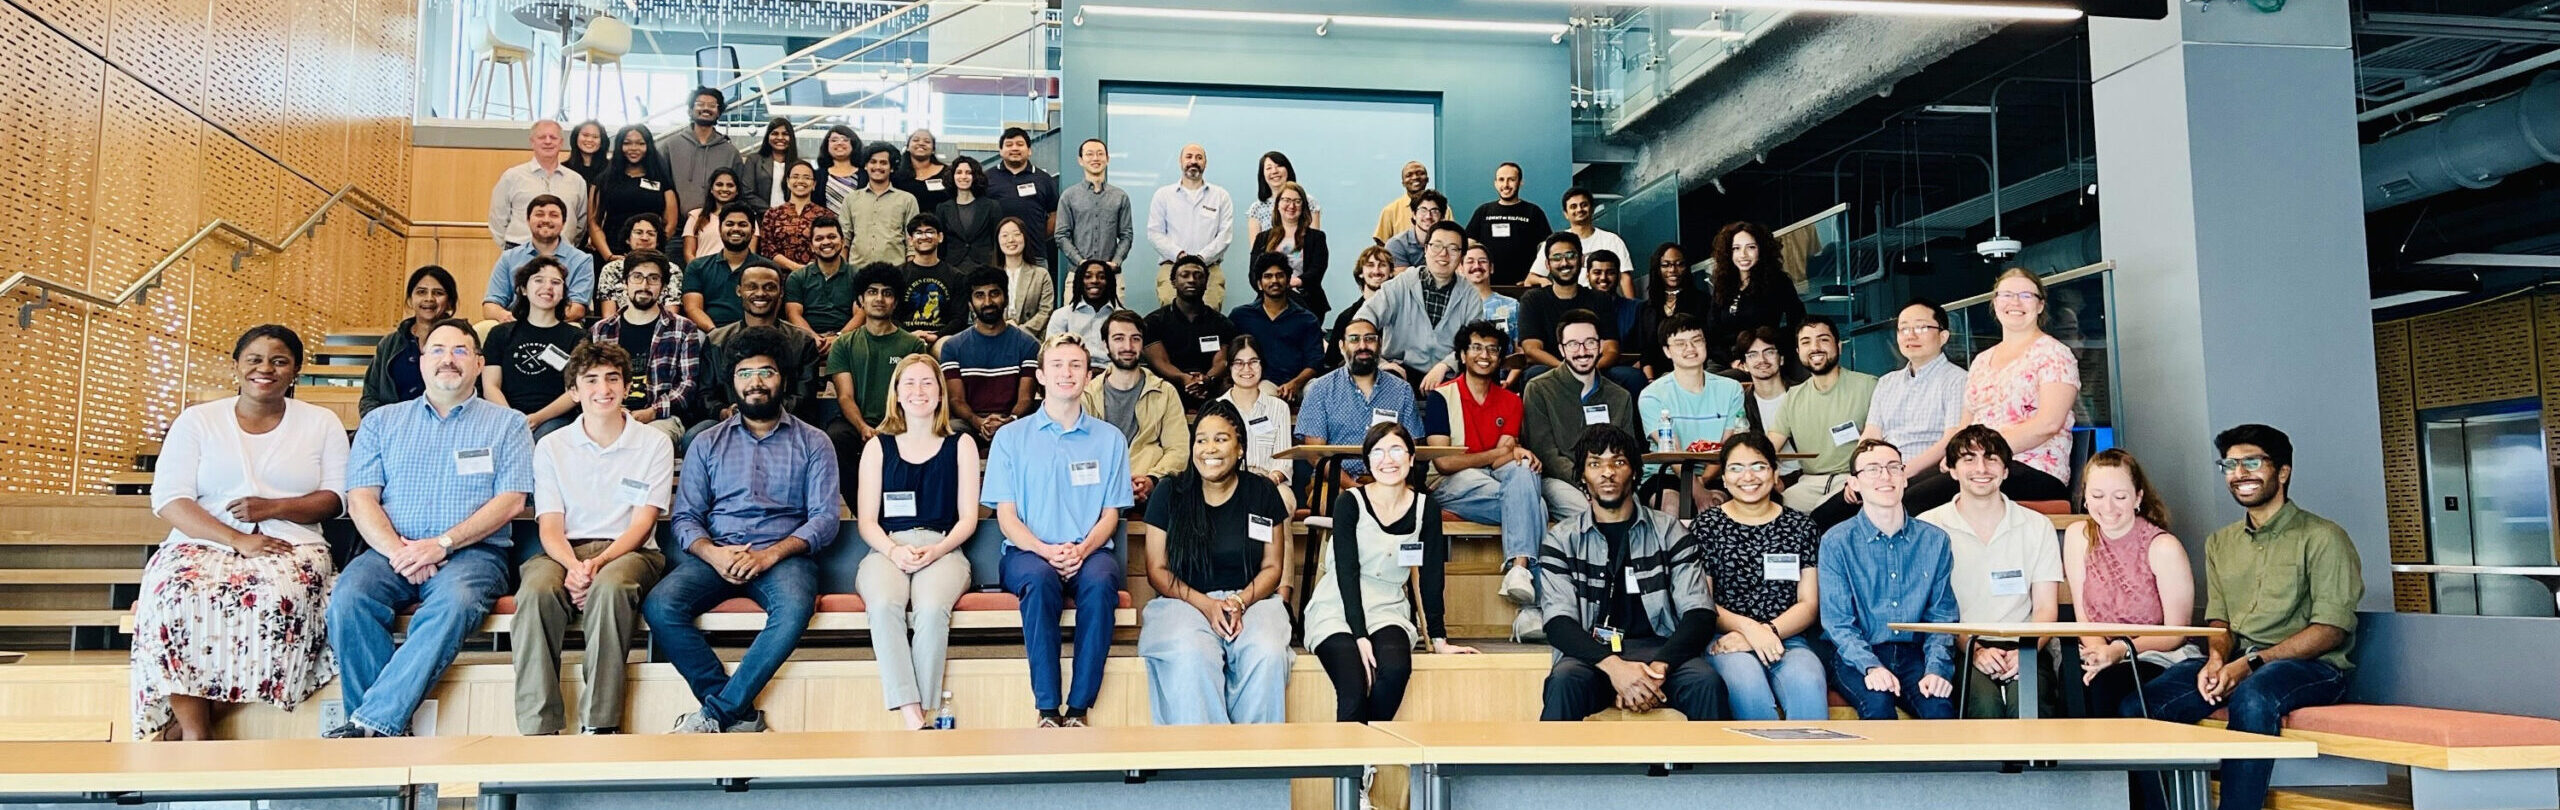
(580, 267)
(1336, 413)
(1290, 343)
(1033, 463)
(433, 469)
(1869, 579)
(739, 489)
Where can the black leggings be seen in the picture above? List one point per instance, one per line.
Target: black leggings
(1934, 488)
(1355, 698)
(2113, 688)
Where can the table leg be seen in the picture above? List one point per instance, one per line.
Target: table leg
(563, 87)
(2029, 707)
(1430, 790)
(1346, 793)
(497, 801)
(2075, 695)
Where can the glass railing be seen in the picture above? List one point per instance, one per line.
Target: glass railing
(2079, 310)
(1638, 60)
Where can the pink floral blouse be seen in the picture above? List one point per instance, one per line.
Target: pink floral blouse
(2006, 397)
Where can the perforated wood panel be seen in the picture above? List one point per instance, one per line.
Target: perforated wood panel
(39, 401)
(2479, 354)
(84, 20)
(50, 158)
(136, 218)
(2547, 328)
(244, 90)
(2403, 496)
(163, 42)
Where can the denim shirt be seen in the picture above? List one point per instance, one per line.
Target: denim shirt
(1870, 579)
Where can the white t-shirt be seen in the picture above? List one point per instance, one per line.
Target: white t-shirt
(1994, 577)
(1769, 413)
(1267, 429)
(594, 488)
(1599, 240)
(207, 459)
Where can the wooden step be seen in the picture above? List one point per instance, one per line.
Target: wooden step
(56, 731)
(129, 478)
(340, 372)
(70, 576)
(367, 337)
(363, 351)
(61, 618)
(83, 538)
(147, 450)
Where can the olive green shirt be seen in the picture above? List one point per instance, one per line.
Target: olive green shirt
(2272, 581)
(826, 301)
(1816, 420)
(869, 359)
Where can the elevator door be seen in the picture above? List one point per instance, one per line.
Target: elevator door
(2489, 503)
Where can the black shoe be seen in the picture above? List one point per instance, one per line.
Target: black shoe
(350, 730)
(600, 730)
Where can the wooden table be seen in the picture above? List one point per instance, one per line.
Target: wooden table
(2068, 632)
(2548, 575)
(129, 773)
(1512, 762)
(1060, 761)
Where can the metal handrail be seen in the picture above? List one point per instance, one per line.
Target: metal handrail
(376, 213)
(944, 67)
(823, 65)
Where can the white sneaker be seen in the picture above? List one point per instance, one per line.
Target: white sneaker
(1368, 777)
(695, 723)
(1526, 627)
(1516, 587)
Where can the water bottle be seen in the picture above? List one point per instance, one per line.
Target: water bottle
(942, 719)
(1663, 441)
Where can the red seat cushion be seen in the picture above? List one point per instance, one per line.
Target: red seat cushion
(2048, 507)
(506, 606)
(2412, 724)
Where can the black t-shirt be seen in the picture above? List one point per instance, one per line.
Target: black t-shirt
(1626, 605)
(1183, 338)
(1231, 554)
(636, 340)
(531, 361)
(1511, 235)
(1541, 311)
(935, 301)
(621, 197)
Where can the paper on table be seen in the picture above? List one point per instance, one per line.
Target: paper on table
(1794, 734)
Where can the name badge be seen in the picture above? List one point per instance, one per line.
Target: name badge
(1026, 190)
(934, 184)
(1595, 414)
(1380, 416)
(1084, 473)
(1632, 587)
(1501, 230)
(1409, 554)
(553, 357)
(633, 492)
(898, 504)
(650, 185)
(1781, 567)
(474, 462)
(1610, 636)
(1258, 528)
(1260, 426)
(1209, 344)
(2009, 582)
(1844, 433)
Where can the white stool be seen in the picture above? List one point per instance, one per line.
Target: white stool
(605, 42)
(496, 54)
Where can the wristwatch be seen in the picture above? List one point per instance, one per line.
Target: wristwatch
(444, 541)
(2254, 660)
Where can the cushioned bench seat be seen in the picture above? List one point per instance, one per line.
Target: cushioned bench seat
(2457, 760)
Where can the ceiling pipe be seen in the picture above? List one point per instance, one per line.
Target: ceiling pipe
(2472, 147)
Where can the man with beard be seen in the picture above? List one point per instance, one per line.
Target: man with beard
(1393, 219)
(2285, 583)
(1496, 480)
(1879, 568)
(933, 306)
(1579, 207)
(1094, 291)
(1418, 314)
(663, 350)
(1187, 338)
(431, 485)
(1344, 403)
(758, 498)
(990, 365)
(820, 296)
(861, 360)
(1541, 309)
(1055, 480)
(759, 289)
(711, 282)
(1824, 416)
(544, 219)
(1510, 227)
(1146, 410)
(1559, 407)
(694, 152)
(1290, 338)
(1193, 217)
(1627, 607)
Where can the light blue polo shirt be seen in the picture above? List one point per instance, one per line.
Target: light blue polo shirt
(435, 470)
(1058, 478)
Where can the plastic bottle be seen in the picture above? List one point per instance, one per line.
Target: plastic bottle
(942, 718)
(1662, 438)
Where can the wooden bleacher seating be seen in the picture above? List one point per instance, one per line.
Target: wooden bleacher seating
(2440, 747)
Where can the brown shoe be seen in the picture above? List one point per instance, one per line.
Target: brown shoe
(1072, 721)
(1047, 721)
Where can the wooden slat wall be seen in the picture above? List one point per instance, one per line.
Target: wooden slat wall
(136, 122)
(452, 185)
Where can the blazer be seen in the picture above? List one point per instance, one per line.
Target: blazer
(1312, 260)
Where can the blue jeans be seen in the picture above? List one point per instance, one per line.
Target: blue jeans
(1042, 591)
(382, 684)
(788, 592)
(1508, 496)
(1906, 661)
(2258, 706)
(1196, 677)
(1794, 686)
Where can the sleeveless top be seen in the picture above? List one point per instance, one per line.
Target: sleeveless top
(2121, 587)
(936, 484)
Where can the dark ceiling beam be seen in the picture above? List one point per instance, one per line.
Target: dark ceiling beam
(2457, 26)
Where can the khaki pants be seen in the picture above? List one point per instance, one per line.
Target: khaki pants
(673, 427)
(1164, 286)
(542, 617)
(1811, 490)
(911, 671)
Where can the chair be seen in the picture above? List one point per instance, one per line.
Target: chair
(495, 54)
(716, 65)
(605, 42)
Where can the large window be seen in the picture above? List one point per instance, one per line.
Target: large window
(2488, 497)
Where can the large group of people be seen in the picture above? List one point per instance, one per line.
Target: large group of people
(841, 350)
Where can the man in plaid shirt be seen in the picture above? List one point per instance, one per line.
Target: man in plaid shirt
(663, 350)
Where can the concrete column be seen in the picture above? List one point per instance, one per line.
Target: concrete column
(2227, 164)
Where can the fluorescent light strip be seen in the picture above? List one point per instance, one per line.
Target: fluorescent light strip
(1708, 33)
(1885, 8)
(1290, 18)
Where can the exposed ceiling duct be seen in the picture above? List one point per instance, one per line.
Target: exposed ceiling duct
(2471, 147)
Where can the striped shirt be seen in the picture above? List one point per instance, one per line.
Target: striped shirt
(990, 369)
(434, 470)
(1915, 407)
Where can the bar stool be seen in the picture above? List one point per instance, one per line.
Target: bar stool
(605, 42)
(496, 54)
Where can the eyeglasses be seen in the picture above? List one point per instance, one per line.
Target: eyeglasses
(1764, 354)
(754, 374)
(924, 232)
(2252, 464)
(1484, 348)
(441, 352)
(1887, 468)
(1585, 343)
(1249, 362)
(1387, 451)
(1749, 467)
(1918, 330)
(1360, 340)
(2020, 297)
(1685, 343)
(1437, 247)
